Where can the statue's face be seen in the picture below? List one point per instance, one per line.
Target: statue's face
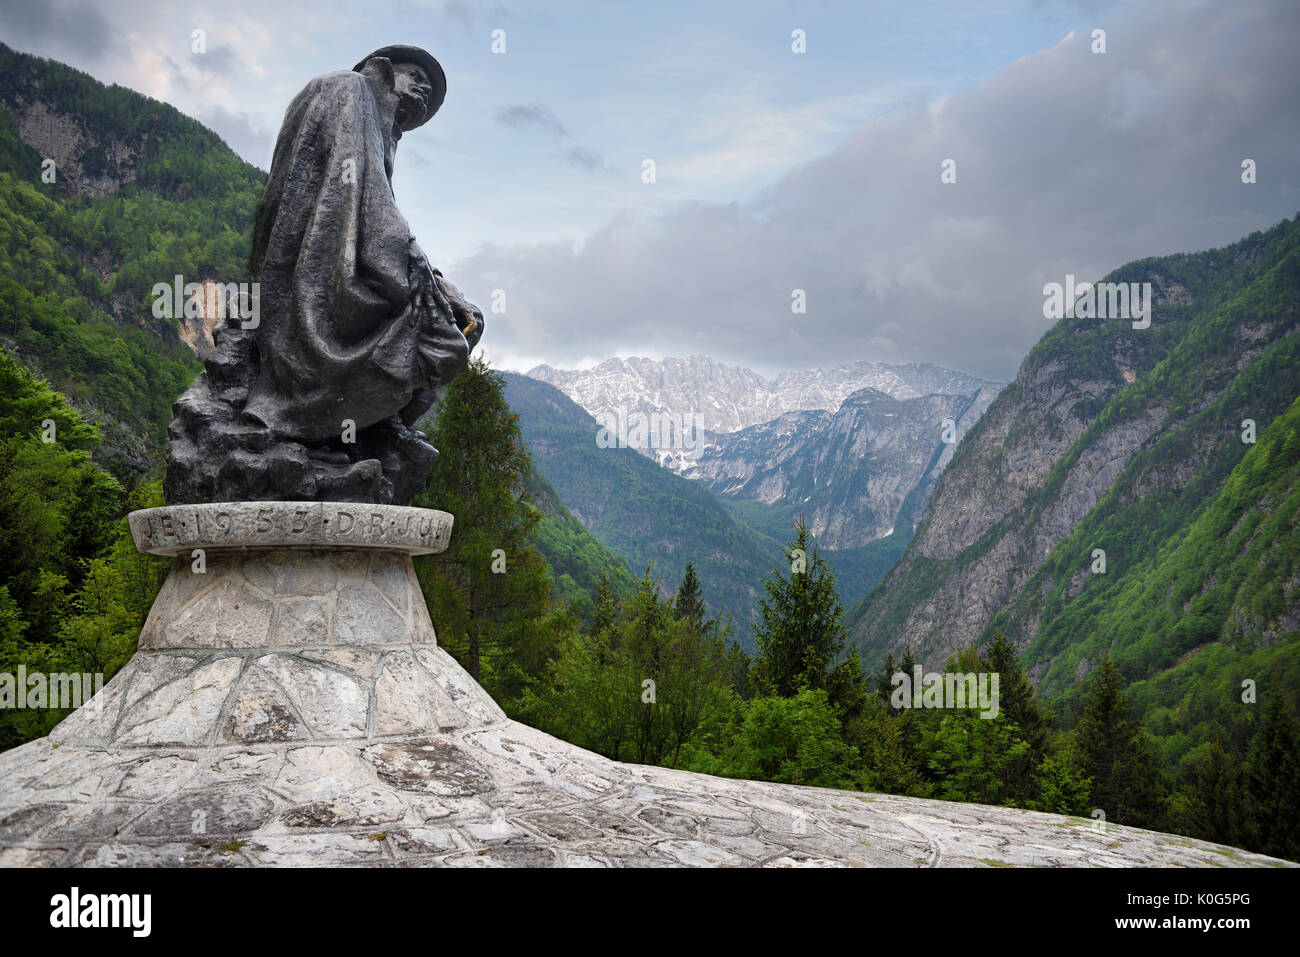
(413, 89)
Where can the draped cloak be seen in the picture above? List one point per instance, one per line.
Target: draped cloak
(352, 322)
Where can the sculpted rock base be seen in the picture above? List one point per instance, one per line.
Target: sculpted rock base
(289, 705)
(214, 454)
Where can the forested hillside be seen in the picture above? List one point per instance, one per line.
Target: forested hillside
(1132, 494)
(140, 193)
(638, 509)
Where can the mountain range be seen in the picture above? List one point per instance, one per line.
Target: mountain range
(848, 448)
(731, 398)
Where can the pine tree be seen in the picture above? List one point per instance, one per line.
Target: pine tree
(1272, 780)
(1217, 810)
(1017, 698)
(1117, 754)
(885, 679)
(605, 607)
(689, 605)
(800, 634)
(1019, 705)
(489, 592)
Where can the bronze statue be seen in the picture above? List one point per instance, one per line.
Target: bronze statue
(354, 331)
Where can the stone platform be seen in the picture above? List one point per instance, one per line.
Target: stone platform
(289, 705)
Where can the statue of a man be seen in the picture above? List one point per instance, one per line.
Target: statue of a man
(355, 331)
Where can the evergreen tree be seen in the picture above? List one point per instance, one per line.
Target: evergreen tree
(800, 634)
(639, 684)
(885, 679)
(1017, 698)
(1272, 781)
(1217, 810)
(489, 592)
(738, 665)
(605, 607)
(1116, 753)
(1019, 705)
(689, 605)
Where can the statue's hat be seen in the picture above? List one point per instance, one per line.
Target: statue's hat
(403, 53)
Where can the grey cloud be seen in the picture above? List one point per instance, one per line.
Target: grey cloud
(242, 134)
(78, 27)
(418, 158)
(1066, 162)
(473, 20)
(587, 159)
(177, 76)
(221, 60)
(519, 115)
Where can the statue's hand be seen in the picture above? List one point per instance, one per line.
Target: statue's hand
(467, 317)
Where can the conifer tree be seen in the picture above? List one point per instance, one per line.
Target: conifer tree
(1218, 811)
(800, 633)
(1017, 698)
(689, 605)
(605, 607)
(1116, 752)
(489, 592)
(1272, 780)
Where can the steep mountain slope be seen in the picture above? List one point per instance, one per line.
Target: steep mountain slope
(638, 509)
(141, 193)
(850, 471)
(1217, 607)
(578, 560)
(1116, 439)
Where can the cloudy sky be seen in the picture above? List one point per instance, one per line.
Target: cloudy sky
(775, 170)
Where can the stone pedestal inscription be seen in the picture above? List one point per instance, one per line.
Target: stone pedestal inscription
(178, 529)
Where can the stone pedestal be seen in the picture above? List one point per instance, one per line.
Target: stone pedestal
(270, 629)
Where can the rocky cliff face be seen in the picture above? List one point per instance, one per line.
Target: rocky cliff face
(860, 445)
(1100, 417)
(86, 164)
(851, 471)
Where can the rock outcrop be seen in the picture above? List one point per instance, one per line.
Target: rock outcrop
(857, 472)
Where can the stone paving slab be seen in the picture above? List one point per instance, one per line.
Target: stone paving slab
(502, 794)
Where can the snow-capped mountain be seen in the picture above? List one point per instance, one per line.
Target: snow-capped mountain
(728, 398)
(854, 473)
(857, 448)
